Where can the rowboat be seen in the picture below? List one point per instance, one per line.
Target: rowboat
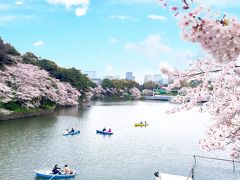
(104, 132)
(49, 175)
(140, 124)
(72, 133)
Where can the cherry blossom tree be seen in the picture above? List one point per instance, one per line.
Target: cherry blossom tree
(88, 95)
(217, 76)
(147, 92)
(135, 93)
(5, 93)
(99, 92)
(30, 85)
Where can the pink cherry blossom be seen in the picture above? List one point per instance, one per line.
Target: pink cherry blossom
(29, 84)
(135, 93)
(214, 80)
(147, 92)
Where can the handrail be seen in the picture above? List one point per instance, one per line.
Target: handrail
(191, 173)
(216, 158)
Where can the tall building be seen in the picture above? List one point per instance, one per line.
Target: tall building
(91, 74)
(157, 78)
(130, 76)
(148, 78)
(170, 79)
(97, 81)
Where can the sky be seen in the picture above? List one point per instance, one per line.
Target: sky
(111, 37)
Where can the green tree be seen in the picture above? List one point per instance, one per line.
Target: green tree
(5, 50)
(107, 83)
(30, 58)
(149, 85)
(119, 84)
(72, 75)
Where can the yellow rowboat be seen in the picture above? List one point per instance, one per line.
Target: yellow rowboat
(139, 124)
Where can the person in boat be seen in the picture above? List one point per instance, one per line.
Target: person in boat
(104, 129)
(56, 169)
(145, 122)
(157, 175)
(67, 170)
(72, 130)
(141, 122)
(109, 130)
(66, 131)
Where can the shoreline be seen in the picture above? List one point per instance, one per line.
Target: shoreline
(20, 115)
(6, 115)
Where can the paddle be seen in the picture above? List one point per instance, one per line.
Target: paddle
(53, 176)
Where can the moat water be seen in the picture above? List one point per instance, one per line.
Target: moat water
(131, 153)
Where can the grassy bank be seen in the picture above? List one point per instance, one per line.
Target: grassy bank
(18, 108)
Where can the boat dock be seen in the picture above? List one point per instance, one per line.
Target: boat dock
(164, 176)
(159, 97)
(191, 175)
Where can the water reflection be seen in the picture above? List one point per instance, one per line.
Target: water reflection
(77, 111)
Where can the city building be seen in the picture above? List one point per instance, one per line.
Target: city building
(157, 78)
(165, 81)
(91, 74)
(148, 78)
(97, 81)
(130, 76)
(170, 79)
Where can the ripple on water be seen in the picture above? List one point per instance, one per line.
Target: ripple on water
(135, 153)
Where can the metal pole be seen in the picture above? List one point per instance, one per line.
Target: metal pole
(233, 166)
(193, 173)
(195, 161)
(227, 160)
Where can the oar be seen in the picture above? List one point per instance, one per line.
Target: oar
(53, 176)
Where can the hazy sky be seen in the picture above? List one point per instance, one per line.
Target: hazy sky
(108, 36)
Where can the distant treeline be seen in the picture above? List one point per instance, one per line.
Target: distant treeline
(118, 84)
(72, 75)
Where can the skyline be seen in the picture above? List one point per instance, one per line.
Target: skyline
(129, 76)
(111, 37)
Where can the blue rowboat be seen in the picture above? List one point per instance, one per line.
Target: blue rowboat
(104, 132)
(72, 133)
(49, 175)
